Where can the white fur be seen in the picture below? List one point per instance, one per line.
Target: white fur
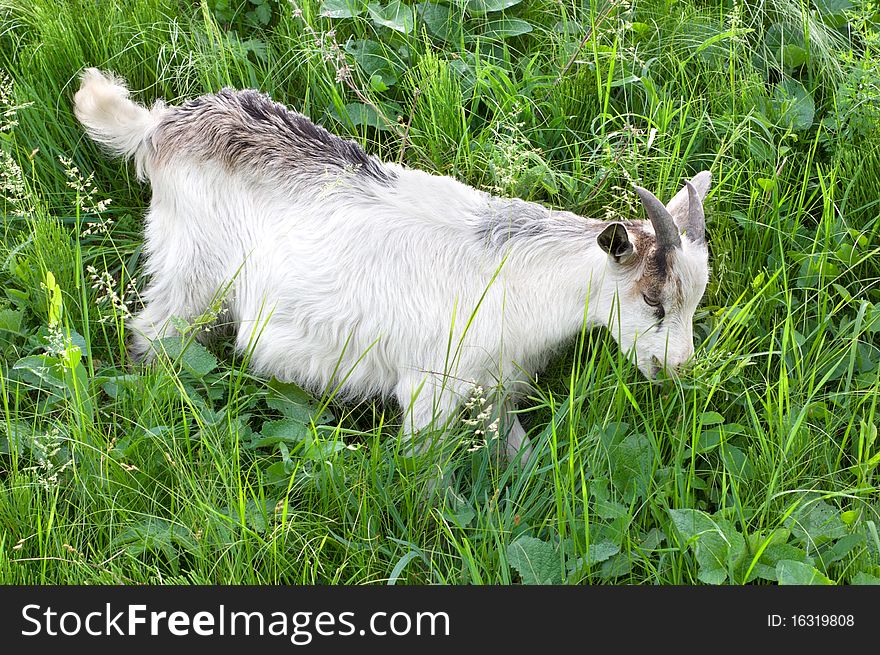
(102, 106)
(375, 289)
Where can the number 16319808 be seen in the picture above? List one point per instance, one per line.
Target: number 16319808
(811, 621)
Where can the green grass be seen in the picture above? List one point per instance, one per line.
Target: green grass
(758, 464)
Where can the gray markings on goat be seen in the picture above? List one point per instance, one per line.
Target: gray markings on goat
(246, 129)
(506, 220)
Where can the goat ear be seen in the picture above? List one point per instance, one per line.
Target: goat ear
(615, 241)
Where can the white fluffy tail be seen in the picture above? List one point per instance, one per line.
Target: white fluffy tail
(111, 119)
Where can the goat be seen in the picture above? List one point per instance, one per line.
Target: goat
(381, 279)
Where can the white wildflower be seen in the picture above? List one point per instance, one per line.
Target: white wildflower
(106, 285)
(86, 192)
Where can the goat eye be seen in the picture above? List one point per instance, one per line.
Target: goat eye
(652, 302)
(656, 305)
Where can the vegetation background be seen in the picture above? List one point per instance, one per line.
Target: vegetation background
(758, 465)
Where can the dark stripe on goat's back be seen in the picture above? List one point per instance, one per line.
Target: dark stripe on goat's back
(247, 128)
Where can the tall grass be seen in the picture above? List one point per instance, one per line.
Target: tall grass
(758, 464)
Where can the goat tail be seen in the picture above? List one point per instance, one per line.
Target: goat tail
(111, 119)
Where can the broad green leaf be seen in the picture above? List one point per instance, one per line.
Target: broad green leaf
(794, 56)
(777, 536)
(736, 462)
(373, 59)
(614, 531)
(377, 84)
(606, 508)
(10, 320)
(62, 379)
(358, 113)
(718, 547)
(698, 483)
(630, 460)
(17, 296)
(795, 105)
(263, 13)
(465, 71)
(78, 340)
(282, 393)
(256, 515)
(460, 516)
(55, 302)
(711, 418)
(841, 548)
(194, 396)
(295, 403)
(766, 566)
(401, 565)
(115, 384)
(154, 535)
(342, 8)
(506, 27)
(653, 539)
(816, 523)
(395, 15)
(642, 29)
(625, 80)
(708, 440)
(786, 44)
(320, 451)
(483, 7)
(596, 554)
(283, 430)
(569, 27)
(193, 356)
(832, 7)
(862, 578)
(16, 436)
(40, 371)
(767, 184)
(712, 437)
(255, 46)
(440, 21)
(872, 318)
(792, 572)
(834, 12)
(617, 566)
(277, 473)
(610, 509)
(536, 561)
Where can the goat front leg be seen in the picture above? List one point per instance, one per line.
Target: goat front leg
(517, 447)
(427, 412)
(427, 407)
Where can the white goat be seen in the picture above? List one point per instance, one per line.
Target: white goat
(343, 270)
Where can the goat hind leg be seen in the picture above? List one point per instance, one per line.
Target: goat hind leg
(166, 298)
(517, 445)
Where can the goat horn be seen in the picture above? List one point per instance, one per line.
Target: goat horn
(696, 221)
(664, 227)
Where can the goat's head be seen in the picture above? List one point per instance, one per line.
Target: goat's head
(660, 268)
